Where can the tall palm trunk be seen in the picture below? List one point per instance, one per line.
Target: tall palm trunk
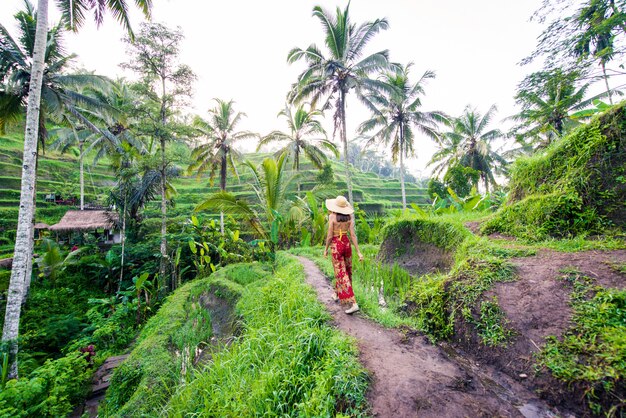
(29, 262)
(297, 162)
(223, 168)
(162, 267)
(123, 239)
(402, 167)
(606, 81)
(23, 238)
(82, 176)
(344, 141)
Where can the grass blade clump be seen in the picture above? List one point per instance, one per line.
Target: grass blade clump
(287, 360)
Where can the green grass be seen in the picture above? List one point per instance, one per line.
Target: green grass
(285, 358)
(145, 381)
(590, 355)
(287, 361)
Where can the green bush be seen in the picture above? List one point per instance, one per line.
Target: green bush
(576, 186)
(52, 390)
(539, 217)
(440, 233)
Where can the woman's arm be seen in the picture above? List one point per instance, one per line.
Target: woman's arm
(329, 233)
(354, 239)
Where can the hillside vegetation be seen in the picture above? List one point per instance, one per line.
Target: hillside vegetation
(577, 186)
(58, 173)
(282, 356)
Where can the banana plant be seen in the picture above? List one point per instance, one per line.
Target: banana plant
(142, 284)
(271, 181)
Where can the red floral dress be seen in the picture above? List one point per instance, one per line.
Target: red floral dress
(341, 251)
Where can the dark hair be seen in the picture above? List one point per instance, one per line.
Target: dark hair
(343, 218)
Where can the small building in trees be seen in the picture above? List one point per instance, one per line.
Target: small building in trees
(102, 224)
(39, 227)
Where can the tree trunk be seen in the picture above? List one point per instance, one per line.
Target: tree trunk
(82, 177)
(23, 237)
(29, 263)
(123, 237)
(223, 168)
(402, 168)
(297, 158)
(344, 141)
(162, 267)
(606, 81)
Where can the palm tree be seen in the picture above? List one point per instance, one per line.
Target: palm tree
(469, 144)
(108, 113)
(396, 115)
(302, 124)
(548, 100)
(447, 155)
(270, 184)
(341, 70)
(218, 151)
(73, 12)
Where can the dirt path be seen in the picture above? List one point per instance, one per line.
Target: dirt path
(411, 377)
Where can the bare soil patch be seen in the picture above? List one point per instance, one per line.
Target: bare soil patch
(417, 258)
(474, 227)
(411, 377)
(537, 306)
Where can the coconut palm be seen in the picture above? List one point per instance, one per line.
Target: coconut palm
(303, 125)
(110, 115)
(342, 69)
(447, 154)
(73, 12)
(61, 94)
(218, 152)
(397, 114)
(549, 100)
(470, 145)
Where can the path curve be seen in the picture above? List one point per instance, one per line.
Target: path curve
(411, 377)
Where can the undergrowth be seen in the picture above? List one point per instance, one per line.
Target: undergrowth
(577, 186)
(590, 355)
(287, 361)
(167, 347)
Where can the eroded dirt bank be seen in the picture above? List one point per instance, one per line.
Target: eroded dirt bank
(411, 377)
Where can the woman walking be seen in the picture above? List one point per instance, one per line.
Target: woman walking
(340, 234)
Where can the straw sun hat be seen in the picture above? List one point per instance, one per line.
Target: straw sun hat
(339, 205)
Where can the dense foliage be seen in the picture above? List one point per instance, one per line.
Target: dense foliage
(577, 186)
(284, 357)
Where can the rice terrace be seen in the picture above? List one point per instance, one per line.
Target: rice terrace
(313, 209)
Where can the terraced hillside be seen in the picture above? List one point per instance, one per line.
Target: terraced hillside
(373, 194)
(58, 173)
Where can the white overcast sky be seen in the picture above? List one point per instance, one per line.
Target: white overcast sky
(238, 50)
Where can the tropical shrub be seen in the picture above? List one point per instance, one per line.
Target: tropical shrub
(51, 390)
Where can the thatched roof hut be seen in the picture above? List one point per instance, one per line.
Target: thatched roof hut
(41, 225)
(86, 220)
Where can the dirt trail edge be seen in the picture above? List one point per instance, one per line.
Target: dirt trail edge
(411, 377)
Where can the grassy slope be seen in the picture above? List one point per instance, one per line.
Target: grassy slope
(575, 187)
(286, 357)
